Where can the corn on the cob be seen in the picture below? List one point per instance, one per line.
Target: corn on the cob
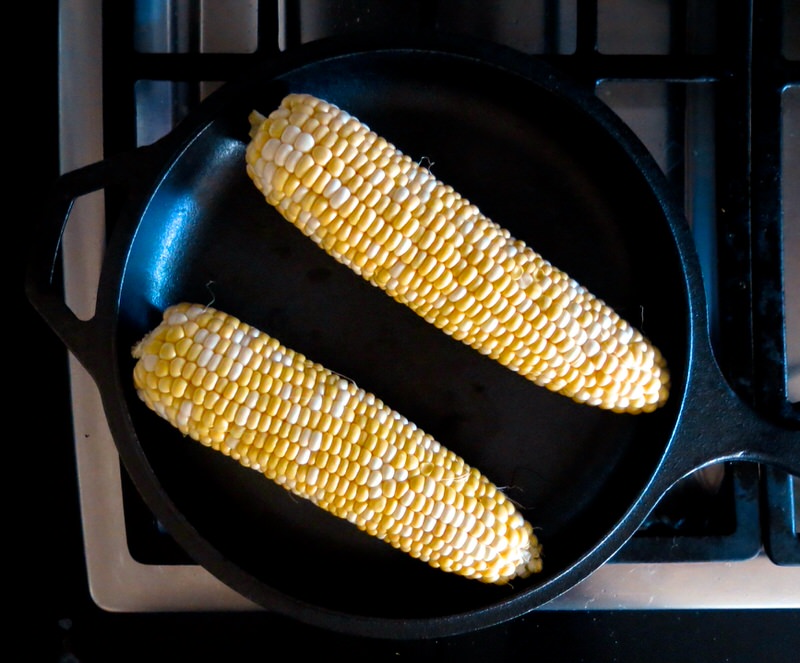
(386, 217)
(234, 388)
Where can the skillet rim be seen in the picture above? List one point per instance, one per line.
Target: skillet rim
(148, 482)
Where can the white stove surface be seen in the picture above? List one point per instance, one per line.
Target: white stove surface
(119, 583)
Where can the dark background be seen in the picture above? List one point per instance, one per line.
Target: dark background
(54, 616)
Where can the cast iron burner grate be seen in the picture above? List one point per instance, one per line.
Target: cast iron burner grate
(720, 146)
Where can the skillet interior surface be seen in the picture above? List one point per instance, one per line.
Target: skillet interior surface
(532, 161)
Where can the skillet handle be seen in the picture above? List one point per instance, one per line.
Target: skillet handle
(42, 282)
(716, 424)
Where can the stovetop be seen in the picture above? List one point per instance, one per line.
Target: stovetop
(724, 537)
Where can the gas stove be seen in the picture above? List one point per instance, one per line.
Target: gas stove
(718, 109)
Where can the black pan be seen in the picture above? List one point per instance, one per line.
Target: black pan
(538, 155)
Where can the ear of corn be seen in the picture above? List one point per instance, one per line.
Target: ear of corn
(237, 390)
(386, 217)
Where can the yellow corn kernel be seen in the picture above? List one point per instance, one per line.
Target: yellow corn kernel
(446, 261)
(353, 456)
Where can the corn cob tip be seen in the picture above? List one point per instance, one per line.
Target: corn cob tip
(256, 119)
(239, 391)
(392, 222)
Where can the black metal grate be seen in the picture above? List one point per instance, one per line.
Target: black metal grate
(771, 73)
(730, 51)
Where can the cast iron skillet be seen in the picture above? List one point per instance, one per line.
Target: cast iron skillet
(537, 155)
